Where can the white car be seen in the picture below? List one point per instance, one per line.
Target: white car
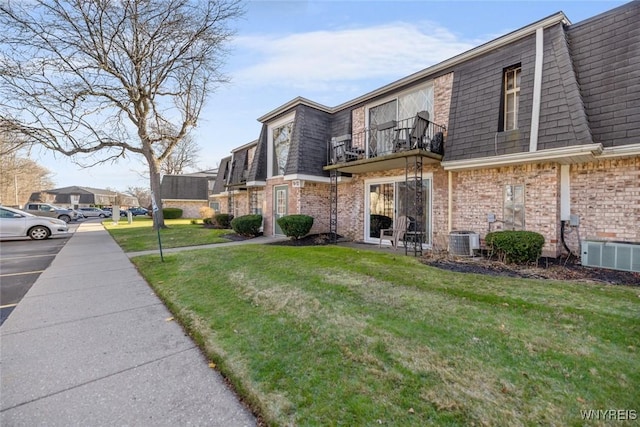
(94, 212)
(17, 223)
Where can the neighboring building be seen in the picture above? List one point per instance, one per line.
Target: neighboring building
(538, 129)
(75, 197)
(231, 193)
(189, 192)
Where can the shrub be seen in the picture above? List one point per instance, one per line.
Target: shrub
(295, 226)
(378, 222)
(205, 212)
(247, 225)
(222, 220)
(172, 213)
(207, 221)
(516, 246)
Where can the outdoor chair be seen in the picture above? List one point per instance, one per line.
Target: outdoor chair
(411, 138)
(342, 151)
(395, 234)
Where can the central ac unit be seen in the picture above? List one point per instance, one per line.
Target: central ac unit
(463, 243)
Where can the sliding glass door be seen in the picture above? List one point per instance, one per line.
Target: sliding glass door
(391, 198)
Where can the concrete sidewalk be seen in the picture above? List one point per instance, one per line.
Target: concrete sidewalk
(91, 344)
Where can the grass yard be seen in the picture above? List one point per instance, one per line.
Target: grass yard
(140, 235)
(328, 335)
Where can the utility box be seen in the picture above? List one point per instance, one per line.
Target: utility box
(463, 243)
(615, 255)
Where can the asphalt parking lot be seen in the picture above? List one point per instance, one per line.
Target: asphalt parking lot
(21, 263)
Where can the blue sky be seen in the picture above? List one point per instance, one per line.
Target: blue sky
(329, 52)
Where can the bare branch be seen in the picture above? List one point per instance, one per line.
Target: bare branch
(97, 77)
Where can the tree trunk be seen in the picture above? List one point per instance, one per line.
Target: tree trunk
(154, 177)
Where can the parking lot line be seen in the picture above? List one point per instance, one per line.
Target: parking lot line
(28, 256)
(22, 274)
(8, 305)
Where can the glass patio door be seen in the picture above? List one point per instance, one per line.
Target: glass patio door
(389, 200)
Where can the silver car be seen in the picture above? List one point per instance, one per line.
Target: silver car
(94, 212)
(17, 223)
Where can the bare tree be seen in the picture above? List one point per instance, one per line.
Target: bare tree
(20, 176)
(142, 194)
(95, 79)
(183, 156)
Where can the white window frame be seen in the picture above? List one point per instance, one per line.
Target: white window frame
(270, 152)
(397, 97)
(513, 205)
(513, 92)
(394, 180)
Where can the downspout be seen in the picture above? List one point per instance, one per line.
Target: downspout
(450, 202)
(537, 91)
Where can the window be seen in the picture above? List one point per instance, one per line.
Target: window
(281, 143)
(404, 107)
(215, 206)
(514, 207)
(256, 202)
(511, 86)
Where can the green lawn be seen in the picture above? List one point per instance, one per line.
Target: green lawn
(140, 235)
(329, 335)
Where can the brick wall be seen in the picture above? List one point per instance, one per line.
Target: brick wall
(189, 209)
(442, 99)
(224, 203)
(606, 197)
(480, 192)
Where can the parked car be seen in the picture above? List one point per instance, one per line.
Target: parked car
(17, 223)
(91, 212)
(45, 209)
(138, 211)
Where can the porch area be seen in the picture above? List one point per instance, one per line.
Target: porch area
(387, 145)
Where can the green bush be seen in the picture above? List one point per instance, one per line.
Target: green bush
(247, 225)
(295, 226)
(515, 246)
(222, 220)
(207, 221)
(171, 213)
(377, 223)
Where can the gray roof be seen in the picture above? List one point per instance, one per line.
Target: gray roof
(223, 174)
(184, 187)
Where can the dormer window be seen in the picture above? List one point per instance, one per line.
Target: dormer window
(279, 140)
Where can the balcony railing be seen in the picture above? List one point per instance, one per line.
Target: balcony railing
(416, 133)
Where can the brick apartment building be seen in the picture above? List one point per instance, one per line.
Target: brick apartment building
(538, 130)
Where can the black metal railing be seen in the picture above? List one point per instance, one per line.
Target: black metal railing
(388, 138)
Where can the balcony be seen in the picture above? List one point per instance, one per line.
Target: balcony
(387, 146)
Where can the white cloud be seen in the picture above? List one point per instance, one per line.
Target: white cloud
(320, 59)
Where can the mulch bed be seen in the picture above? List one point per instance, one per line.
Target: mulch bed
(546, 268)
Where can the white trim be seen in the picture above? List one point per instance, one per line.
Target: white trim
(282, 121)
(582, 153)
(537, 90)
(185, 200)
(245, 146)
(565, 192)
(314, 178)
(293, 103)
(630, 150)
(256, 183)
